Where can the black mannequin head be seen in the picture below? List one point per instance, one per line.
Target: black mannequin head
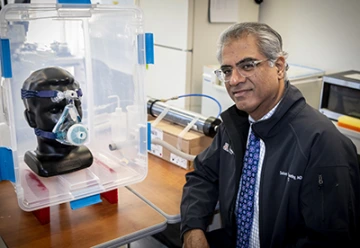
(42, 112)
(52, 94)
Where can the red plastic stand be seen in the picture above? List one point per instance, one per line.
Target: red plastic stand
(43, 215)
(111, 196)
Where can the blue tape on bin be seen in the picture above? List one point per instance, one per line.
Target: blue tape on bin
(149, 48)
(6, 165)
(5, 58)
(84, 202)
(149, 136)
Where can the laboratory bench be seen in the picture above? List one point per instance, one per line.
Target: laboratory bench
(99, 225)
(162, 187)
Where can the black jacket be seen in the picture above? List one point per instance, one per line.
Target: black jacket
(310, 183)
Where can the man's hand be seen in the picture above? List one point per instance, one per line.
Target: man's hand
(195, 239)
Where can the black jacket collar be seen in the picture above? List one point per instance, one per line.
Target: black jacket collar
(235, 119)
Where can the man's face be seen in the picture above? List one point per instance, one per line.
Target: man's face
(260, 92)
(46, 113)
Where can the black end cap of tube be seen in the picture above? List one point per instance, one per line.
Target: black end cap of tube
(150, 104)
(210, 126)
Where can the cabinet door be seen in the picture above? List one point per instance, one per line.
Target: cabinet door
(169, 75)
(169, 21)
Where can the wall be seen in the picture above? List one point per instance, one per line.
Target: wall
(317, 33)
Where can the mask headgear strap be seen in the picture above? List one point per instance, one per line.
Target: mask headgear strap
(34, 93)
(44, 134)
(55, 95)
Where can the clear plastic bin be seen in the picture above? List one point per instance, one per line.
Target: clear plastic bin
(103, 48)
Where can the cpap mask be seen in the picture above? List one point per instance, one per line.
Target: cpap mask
(68, 130)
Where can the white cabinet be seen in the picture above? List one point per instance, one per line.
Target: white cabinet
(170, 21)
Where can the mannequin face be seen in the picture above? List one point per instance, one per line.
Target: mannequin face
(43, 113)
(46, 113)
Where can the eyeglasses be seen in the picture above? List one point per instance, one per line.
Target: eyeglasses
(245, 69)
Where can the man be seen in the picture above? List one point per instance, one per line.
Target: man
(53, 108)
(282, 173)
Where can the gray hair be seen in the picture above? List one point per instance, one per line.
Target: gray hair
(269, 41)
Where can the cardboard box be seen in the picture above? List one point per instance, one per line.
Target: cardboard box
(192, 142)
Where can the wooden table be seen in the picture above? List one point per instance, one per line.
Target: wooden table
(162, 188)
(110, 225)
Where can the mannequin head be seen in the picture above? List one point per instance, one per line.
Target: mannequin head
(43, 112)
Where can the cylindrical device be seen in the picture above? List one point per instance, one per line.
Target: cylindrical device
(205, 125)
